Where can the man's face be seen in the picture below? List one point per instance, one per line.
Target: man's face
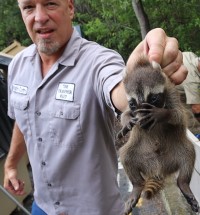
(48, 23)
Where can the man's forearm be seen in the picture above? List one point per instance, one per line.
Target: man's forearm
(119, 97)
(17, 148)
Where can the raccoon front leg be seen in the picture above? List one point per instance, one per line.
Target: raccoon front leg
(128, 127)
(152, 115)
(127, 121)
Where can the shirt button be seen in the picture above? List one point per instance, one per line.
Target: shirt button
(49, 184)
(40, 139)
(43, 163)
(57, 203)
(38, 113)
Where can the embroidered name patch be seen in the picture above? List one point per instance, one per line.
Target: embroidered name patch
(65, 92)
(20, 89)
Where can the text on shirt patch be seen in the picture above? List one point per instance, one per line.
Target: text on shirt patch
(65, 92)
(20, 89)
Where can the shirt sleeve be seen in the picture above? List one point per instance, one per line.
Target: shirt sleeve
(108, 75)
(192, 91)
(10, 108)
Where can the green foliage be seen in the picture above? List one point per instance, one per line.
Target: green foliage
(11, 25)
(112, 23)
(180, 19)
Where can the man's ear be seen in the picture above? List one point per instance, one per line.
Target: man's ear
(71, 8)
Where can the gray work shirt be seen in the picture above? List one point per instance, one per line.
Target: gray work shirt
(67, 120)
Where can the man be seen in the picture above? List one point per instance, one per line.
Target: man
(192, 82)
(63, 92)
(190, 90)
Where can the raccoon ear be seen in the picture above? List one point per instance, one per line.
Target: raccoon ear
(156, 65)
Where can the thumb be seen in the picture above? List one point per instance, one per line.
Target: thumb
(15, 183)
(154, 45)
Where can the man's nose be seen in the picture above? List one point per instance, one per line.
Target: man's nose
(41, 14)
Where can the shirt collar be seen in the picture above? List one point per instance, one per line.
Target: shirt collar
(70, 53)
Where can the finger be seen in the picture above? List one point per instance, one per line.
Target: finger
(155, 42)
(171, 67)
(15, 183)
(196, 108)
(9, 187)
(20, 190)
(179, 76)
(153, 46)
(171, 52)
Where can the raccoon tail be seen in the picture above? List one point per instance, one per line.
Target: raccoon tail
(152, 187)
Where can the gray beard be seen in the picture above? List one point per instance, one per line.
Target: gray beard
(48, 47)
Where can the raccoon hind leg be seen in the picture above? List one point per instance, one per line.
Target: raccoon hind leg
(184, 177)
(133, 199)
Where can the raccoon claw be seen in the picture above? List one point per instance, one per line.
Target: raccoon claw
(122, 133)
(146, 123)
(130, 204)
(126, 128)
(128, 209)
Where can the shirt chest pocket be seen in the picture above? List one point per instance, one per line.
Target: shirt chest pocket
(20, 104)
(68, 112)
(65, 127)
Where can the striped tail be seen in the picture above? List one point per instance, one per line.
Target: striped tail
(152, 187)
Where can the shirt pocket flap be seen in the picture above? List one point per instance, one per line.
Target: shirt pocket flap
(71, 112)
(20, 104)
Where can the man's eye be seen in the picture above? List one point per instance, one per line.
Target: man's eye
(27, 7)
(51, 5)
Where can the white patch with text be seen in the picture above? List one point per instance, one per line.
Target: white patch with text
(65, 92)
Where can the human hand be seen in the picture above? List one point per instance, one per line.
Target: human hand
(12, 183)
(164, 50)
(196, 111)
(195, 108)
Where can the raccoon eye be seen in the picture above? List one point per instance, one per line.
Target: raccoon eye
(132, 104)
(156, 99)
